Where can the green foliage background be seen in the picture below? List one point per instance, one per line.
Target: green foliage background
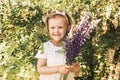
(22, 31)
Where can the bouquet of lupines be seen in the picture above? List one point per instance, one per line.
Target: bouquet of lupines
(77, 36)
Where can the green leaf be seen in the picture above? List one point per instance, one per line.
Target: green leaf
(11, 47)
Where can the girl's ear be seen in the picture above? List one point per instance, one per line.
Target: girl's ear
(69, 27)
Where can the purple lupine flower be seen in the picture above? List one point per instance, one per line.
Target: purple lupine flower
(76, 38)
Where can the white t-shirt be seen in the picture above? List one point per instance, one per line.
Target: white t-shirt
(55, 57)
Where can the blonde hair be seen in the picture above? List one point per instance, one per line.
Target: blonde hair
(57, 14)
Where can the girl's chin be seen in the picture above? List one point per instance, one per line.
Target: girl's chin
(57, 40)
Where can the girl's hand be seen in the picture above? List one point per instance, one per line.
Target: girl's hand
(75, 67)
(64, 69)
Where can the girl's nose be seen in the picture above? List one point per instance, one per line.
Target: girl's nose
(56, 30)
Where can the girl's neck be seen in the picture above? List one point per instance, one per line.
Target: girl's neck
(56, 43)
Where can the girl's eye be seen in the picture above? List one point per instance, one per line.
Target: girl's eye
(60, 27)
(52, 27)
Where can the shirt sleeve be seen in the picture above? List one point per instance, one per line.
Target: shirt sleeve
(40, 54)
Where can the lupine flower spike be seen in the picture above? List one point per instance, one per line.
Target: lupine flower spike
(77, 37)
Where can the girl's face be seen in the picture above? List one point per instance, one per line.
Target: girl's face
(57, 28)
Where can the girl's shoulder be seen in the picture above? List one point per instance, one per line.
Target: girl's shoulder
(47, 44)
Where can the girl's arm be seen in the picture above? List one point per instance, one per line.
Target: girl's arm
(42, 68)
(75, 67)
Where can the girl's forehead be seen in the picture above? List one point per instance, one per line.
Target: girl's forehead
(60, 18)
(57, 21)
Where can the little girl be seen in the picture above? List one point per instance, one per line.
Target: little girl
(52, 60)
